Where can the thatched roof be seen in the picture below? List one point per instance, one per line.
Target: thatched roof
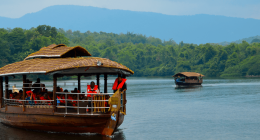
(188, 74)
(65, 66)
(60, 50)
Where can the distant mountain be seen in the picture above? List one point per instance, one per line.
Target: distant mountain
(189, 29)
(249, 40)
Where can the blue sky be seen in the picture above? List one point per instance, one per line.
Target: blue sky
(230, 8)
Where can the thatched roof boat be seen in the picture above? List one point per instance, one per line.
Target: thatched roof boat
(104, 113)
(188, 78)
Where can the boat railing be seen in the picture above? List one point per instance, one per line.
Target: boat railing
(96, 103)
(29, 103)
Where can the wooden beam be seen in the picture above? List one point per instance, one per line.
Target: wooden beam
(79, 85)
(6, 88)
(98, 81)
(54, 92)
(105, 83)
(24, 89)
(1, 92)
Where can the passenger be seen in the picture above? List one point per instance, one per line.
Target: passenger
(29, 98)
(120, 84)
(59, 101)
(19, 95)
(70, 100)
(31, 94)
(75, 90)
(92, 88)
(45, 97)
(11, 95)
(38, 86)
(28, 85)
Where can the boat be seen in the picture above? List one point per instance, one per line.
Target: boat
(104, 114)
(188, 79)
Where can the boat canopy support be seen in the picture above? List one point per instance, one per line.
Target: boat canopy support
(24, 90)
(6, 88)
(105, 83)
(1, 92)
(79, 85)
(98, 75)
(54, 92)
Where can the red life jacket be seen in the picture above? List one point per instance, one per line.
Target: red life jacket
(89, 90)
(42, 98)
(11, 95)
(116, 86)
(33, 95)
(61, 101)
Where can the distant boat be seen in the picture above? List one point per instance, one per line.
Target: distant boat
(188, 79)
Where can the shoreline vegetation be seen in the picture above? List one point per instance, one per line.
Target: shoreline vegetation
(146, 56)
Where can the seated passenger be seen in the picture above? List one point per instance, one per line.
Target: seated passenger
(31, 94)
(75, 90)
(70, 100)
(29, 98)
(45, 97)
(62, 97)
(19, 95)
(60, 100)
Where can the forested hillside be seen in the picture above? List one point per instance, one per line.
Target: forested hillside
(146, 56)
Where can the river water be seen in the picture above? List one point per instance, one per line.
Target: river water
(156, 109)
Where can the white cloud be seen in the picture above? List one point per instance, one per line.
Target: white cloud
(232, 8)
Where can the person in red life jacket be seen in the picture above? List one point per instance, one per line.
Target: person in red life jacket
(31, 94)
(92, 88)
(62, 102)
(45, 97)
(119, 84)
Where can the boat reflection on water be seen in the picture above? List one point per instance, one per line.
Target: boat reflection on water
(189, 88)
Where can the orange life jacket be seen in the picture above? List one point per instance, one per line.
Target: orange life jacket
(89, 90)
(116, 86)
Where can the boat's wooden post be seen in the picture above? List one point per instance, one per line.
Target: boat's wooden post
(1, 92)
(54, 92)
(98, 81)
(24, 90)
(79, 85)
(124, 103)
(6, 88)
(105, 83)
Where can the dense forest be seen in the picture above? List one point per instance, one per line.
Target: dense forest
(146, 56)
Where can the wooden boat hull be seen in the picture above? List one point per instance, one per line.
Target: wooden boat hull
(101, 124)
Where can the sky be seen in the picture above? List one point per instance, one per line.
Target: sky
(230, 8)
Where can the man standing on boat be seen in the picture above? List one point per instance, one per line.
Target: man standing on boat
(120, 84)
